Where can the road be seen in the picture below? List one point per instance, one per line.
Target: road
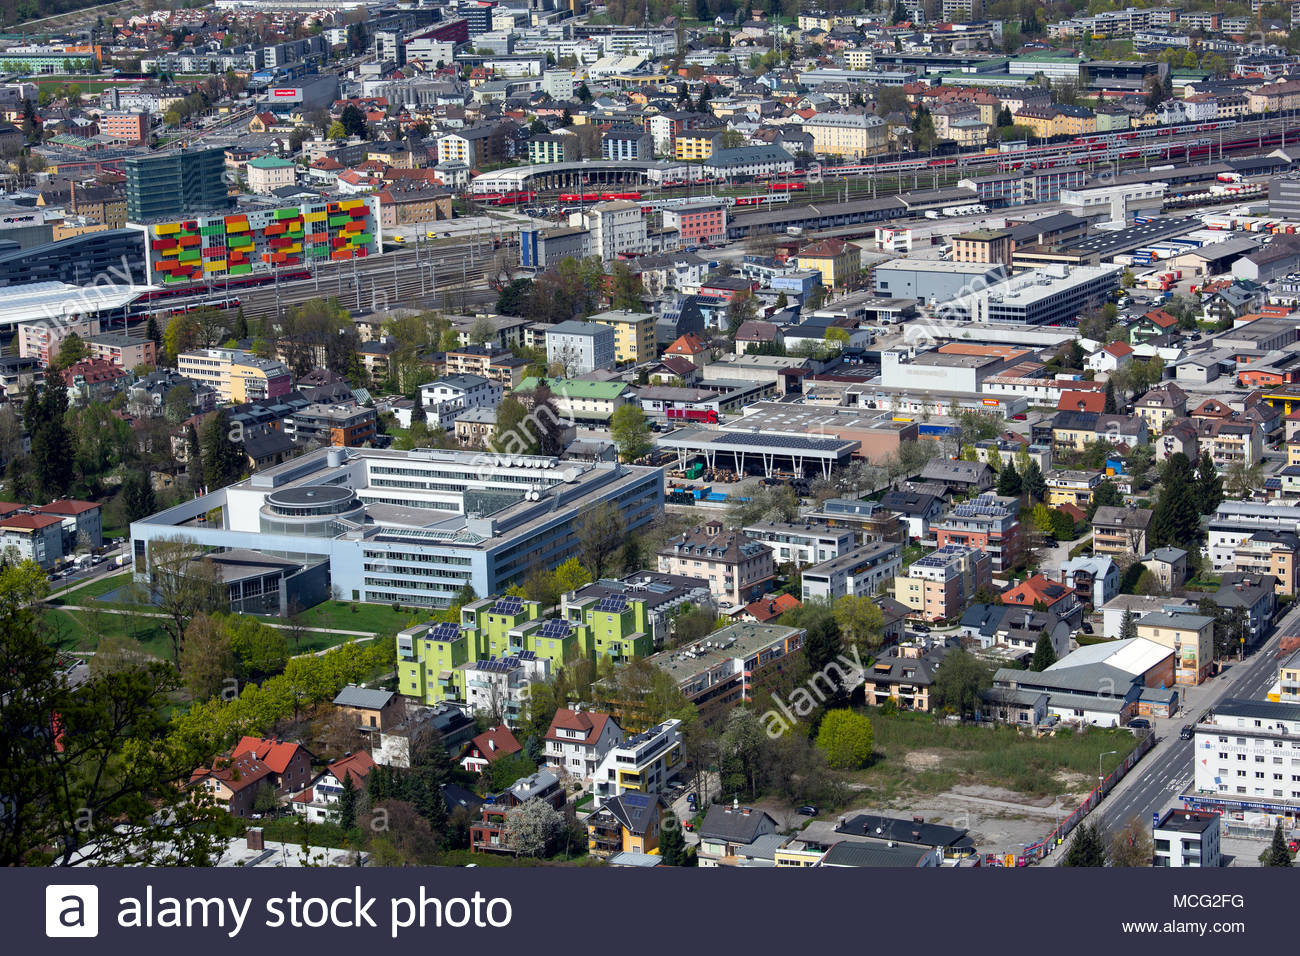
(1163, 773)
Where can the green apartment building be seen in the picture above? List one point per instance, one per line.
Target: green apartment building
(432, 658)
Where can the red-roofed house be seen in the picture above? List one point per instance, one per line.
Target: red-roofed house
(578, 740)
(263, 122)
(1156, 327)
(82, 525)
(673, 367)
(290, 763)
(1109, 357)
(317, 801)
(767, 608)
(233, 781)
(691, 348)
(1072, 401)
(32, 537)
(94, 380)
(1037, 591)
(489, 746)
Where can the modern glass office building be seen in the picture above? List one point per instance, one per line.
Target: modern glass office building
(181, 183)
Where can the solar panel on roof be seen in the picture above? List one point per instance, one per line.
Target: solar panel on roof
(508, 605)
(446, 631)
(556, 628)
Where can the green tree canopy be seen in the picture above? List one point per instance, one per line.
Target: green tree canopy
(846, 738)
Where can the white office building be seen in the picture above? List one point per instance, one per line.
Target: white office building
(412, 527)
(1246, 763)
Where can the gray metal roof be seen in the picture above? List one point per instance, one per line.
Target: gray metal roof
(354, 696)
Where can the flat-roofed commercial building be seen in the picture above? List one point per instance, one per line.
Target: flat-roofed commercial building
(1051, 294)
(413, 527)
(1248, 759)
(932, 281)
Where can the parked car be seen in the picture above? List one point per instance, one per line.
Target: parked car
(1186, 732)
(808, 811)
(1139, 723)
(1086, 627)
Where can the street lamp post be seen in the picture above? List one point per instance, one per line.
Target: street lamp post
(1101, 778)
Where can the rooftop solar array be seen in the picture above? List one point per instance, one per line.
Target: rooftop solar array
(760, 440)
(556, 628)
(614, 604)
(508, 605)
(445, 631)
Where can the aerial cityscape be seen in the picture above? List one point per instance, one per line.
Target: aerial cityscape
(511, 433)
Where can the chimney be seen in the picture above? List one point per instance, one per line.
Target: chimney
(255, 839)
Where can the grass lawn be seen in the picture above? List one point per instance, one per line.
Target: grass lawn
(87, 592)
(373, 618)
(916, 754)
(83, 630)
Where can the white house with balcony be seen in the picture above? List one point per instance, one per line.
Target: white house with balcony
(578, 740)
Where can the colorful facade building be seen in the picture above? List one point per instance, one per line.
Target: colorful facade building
(432, 659)
(260, 240)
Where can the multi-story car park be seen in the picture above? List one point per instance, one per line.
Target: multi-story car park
(259, 240)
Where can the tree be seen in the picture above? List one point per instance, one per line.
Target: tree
(185, 584)
(630, 432)
(1044, 654)
(600, 536)
(625, 288)
(1132, 846)
(345, 808)
(1009, 480)
(1032, 481)
(259, 649)
(482, 331)
(1209, 485)
(570, 576)
(1128, 628)
(1242, 480)
(1111, 407)
(513, 432)
(1277, 853)
(1176, 520)
(513, 297)
(533, 827)
(1105, 495)
(354, 124)
(104, 780)
(740, 750)
(742, 308)
(846, 738)
(223, 460)
(672, 841)
(1087, 848)
(207, 660)
(860, 621)
(52, 451)
(71, 351)
(959, 681)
